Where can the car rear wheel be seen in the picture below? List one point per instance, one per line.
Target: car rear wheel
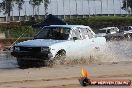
(127, 36)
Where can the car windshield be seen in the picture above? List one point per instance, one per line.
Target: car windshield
(102, 31)
(57, 33)
(126, 29)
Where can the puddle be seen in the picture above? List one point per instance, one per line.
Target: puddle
(115, 51)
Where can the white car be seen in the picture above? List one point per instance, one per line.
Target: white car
(56, 42)
(109, 32)
(127, 31)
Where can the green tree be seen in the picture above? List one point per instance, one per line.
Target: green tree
(19, 4)
(35, 3)
(127, 5)
(7, 6)
(46, 2)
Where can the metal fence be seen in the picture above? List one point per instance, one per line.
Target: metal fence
(70, 7)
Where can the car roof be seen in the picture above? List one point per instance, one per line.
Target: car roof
(69, 26)
(107, 28)
(127, 26)
(72, 26)
(111, 27)
(104, 29)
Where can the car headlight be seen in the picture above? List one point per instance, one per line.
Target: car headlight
(16, 48)
(45, 49)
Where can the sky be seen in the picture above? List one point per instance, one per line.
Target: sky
(83, 7)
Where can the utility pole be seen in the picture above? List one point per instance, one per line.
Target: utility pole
(70, 7)
(120, 7)
(76, 6)
(25, 10)
(38, 8)
(101, 6)
(13, 16)
(95, 7)
(89, 8)
(64, 9)
(113, 7)
(126, 8)
(57, 7)
(44, 10)
(107, 8)
(76, 9)
(82, 9)
(6, 15)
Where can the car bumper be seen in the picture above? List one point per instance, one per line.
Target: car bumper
(32, 55)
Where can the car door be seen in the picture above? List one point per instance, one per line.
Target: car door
(88, 42)
(75, 45)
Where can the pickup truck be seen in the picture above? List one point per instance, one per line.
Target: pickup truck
(56, 43)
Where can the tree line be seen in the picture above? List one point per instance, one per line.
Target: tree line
(7, 5)
(127, 5)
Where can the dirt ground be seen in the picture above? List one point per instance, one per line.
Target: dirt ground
(64, 76)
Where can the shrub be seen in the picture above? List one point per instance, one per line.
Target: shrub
(101, 21)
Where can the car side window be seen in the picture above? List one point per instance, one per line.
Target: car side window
(84, 33)
(108, 31)
(129, 28)
(76, 33)
(89, 33)
(125, 28)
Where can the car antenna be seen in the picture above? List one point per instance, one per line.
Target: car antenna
(17, 39)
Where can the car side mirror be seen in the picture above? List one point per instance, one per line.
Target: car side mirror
(74, 38)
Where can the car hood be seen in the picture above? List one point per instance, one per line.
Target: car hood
(39, 43)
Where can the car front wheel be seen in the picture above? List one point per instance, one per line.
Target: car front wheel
(59, 58)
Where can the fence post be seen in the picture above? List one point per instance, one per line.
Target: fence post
(89, 8)
(69, 7)
(126, 8)
(107, 8)
(113, 7)
(101, 6)
(63, 9)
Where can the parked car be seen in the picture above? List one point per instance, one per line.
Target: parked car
(127, 31)
(109, 33)
(56, 43)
